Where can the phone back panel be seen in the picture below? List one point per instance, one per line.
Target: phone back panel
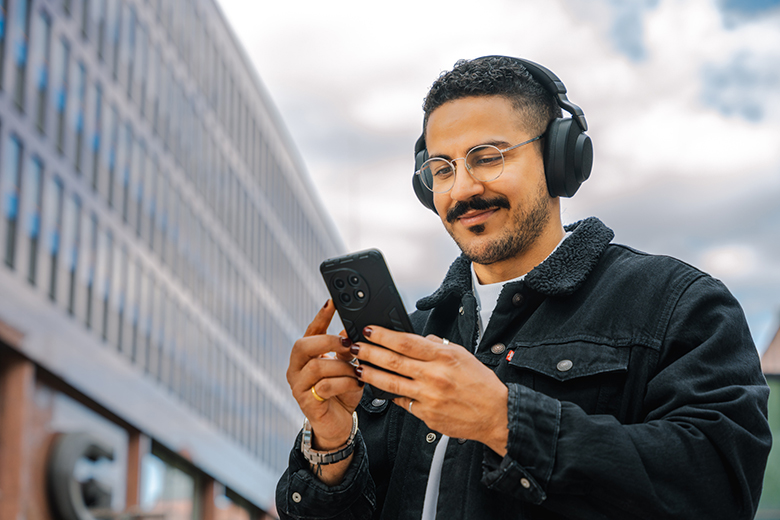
(364, 293)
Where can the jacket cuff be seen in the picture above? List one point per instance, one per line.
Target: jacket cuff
(534, 423)
(300, 494)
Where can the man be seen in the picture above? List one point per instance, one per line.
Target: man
(555, 375)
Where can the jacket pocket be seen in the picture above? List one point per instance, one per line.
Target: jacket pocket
(589, 375)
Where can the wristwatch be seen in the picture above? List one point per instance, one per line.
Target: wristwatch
(328, 457)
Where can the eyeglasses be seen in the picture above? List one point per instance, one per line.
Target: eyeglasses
(484, 163)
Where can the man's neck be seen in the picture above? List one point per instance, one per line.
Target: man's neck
(524, 262)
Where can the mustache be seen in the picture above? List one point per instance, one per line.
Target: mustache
(477, 204)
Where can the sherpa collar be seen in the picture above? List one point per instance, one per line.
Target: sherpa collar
(561, 273)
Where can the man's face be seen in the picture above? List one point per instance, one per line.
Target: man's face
(501, 219)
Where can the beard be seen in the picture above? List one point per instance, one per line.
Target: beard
(524, 228)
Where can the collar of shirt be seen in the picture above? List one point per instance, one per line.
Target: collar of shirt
(487, 294)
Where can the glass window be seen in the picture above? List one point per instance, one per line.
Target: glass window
(161, 194)
(158, 332)
(169, 487)
(89, 284)
(124, 160)
(137, 184)
(53, 208)
(119, 277)
(110, 158)
(113, 20)
(150, 198)
(98, 14)
(97, 118)
(3, 31)
(80, 103)
(41, 56)
(133, 304)
(71, 241)
(60, 96)
(151, 112)
(104, 277)
(12, 179)
(33, 200)
(22, 24)
(85, 11)
(170, 373)
(141, 67)
(144, 319)
(173, 230)
(127, 47)
(163, 103)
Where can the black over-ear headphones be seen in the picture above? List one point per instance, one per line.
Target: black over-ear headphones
(568, 151)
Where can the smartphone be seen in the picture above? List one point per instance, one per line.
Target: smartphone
(364, 294)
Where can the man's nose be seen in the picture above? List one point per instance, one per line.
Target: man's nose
(465, 186)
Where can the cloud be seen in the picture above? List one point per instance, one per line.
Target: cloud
(731, 260)
(627, 30)
(736, 12)
(744, 86)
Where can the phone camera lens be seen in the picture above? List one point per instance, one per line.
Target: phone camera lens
(354, 280)
(345, 298)
(359, 295)
(339, 283)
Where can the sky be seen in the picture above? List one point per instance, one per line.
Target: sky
(682, 98)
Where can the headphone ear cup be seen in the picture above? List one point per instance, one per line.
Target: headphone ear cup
(568, 157)
(424, 195)
(553, 170)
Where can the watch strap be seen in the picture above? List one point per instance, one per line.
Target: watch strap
(331, 456)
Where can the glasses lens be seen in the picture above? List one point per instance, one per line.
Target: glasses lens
(437, 175)
(485, 162)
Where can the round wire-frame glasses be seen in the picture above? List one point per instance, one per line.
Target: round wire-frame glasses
(484, 163)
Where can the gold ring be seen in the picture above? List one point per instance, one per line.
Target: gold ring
(316, 395)
(445, 341)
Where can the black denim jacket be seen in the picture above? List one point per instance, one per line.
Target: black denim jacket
(635, 391)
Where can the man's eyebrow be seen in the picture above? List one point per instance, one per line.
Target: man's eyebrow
(497, 143)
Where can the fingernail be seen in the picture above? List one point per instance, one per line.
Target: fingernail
(326, 304)
(361, 384)
(367, 332)
(359, 372)
(346, 342)
(354, 350)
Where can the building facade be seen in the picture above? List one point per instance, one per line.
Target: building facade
(159, 246)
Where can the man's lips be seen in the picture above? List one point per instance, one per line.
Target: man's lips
(474, 218)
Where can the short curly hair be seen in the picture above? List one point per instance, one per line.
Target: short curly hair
(495, 76)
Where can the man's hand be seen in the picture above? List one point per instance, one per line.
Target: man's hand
(333, 380)
(453, 392)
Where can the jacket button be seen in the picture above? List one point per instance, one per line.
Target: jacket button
(564, 365)
(525, 483)
(460, 310)
(377, 402)
(498, 348)
(296, 497)
(430, 437)
(517, 299)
